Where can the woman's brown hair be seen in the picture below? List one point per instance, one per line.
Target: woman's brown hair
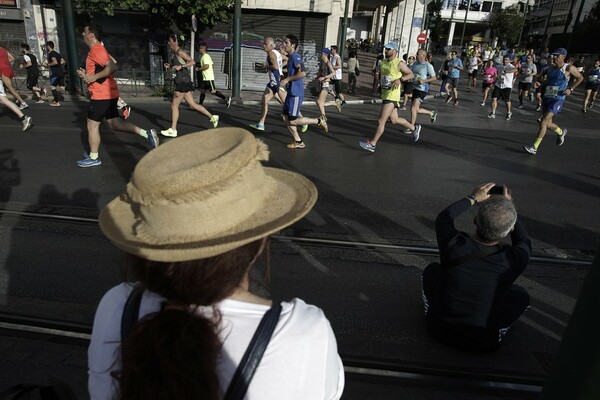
(172, 354)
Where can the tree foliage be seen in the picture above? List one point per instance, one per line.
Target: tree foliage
(178, 12)
(506, 24)
(434, 12)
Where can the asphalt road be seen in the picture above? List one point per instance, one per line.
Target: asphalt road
(60, 270)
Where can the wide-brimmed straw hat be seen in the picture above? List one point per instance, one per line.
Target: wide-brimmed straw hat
(202, 195)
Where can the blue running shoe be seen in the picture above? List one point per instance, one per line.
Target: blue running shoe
(257, 126)
(153, 138)
(367, 145)
(88, 162)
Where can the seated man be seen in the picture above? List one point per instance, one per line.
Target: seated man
(470, 299)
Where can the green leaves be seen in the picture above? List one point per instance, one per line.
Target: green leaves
(506, 24)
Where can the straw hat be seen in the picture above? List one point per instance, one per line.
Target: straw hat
(202, 195)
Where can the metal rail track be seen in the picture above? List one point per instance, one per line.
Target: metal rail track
(390, 371)
(331, 243)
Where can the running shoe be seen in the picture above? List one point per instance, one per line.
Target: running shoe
(169, 132)
(214, 120)
(591, 105)
(54, 104)
(483, 104)
(228, 102)
(338, 105)
(491, 115)
(416, 133)
(538, 108)
(304, 128)
(367, 145)
(153, 138)
(402, 107)
(88, 162)
(583, 110)
(323, 124)
(126, 112)
(434, 114)
(448, 99)
(530, 97)
(408, 131)
(530, 149)
(258, 127)
(296, 145)
(40, 101)
(468, 89)
(560, 139)
(508, 116)
(455, 102)
(23, 105)
(26, 123)
(540, 119)
(520, 106)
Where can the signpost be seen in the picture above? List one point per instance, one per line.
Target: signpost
(422, 38)
(193, 45)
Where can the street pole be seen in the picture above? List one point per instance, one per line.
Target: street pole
(462, 36)
(236, 73)
(524, 19)
(451, 24)
(411, 27)
(193, 46)
(71, 42)
(342, 45)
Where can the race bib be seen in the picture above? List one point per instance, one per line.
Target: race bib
(386, 82)
(551, 91)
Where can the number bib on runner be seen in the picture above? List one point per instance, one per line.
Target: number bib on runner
(551, 91)
(386, 82)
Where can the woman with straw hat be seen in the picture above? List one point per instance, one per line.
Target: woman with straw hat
(195, 218)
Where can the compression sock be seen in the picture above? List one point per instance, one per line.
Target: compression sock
(143, 133)
(520, 100)
(94, 156)
(220, 95)
(537, 142)
(55, 94)
(558, 131)
(202, 97)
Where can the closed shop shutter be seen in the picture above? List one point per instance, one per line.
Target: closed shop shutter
(12, 34)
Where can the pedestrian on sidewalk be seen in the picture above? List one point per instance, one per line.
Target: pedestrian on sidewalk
(353, 71)
(98, 75)
(294, 84)
(393, 72)
(193, 233)
(207, 72)
(469, 297)
(184, 87)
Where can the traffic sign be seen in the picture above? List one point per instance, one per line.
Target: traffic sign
(422, 38)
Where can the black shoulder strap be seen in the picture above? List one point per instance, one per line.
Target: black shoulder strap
(488, 250)
(245, 371)
(131, 311)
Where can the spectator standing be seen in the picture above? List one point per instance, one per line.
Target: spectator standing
(353, 68)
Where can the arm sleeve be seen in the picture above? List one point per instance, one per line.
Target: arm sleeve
(444, 223)
(521, 248)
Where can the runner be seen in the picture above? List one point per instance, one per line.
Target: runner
(336, 62)
(503, 87)
(474, 63)
(324, 76)
(294, 84)
(184, 87)
(98, 75)
(57, 74)
(556, 90)
(393, 72)
(7, 74)
(540, 77)
(527, 71)
(407, 86)
(592, 85)
(424, 73)
(489, 76)
(208, 77)
(33, 72)
(454, 68)
(25, 120)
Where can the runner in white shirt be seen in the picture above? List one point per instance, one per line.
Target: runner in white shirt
(503, 87)
(474, 63)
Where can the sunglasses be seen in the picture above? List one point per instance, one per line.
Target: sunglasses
(387, 49)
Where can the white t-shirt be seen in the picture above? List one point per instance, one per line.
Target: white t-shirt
(505, 79)
(337, 61)
(301, 361)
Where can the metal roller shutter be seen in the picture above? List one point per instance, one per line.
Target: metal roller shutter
(12, 34)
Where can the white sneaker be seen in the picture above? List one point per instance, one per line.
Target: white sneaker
(482, 104)
(26, 123)
(23, 105)
(214, 120)
(169, 132)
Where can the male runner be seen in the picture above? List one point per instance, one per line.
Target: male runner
(57, 73)
(336, 61)
(455, 65)
(25, 120)
(592, 85)
(526, 73)
(556, 90)
(424, 73)
(33, 72)
(294, 84)
(503, 87)
(393, 72)
(208, 77)
(474, 64)
(104, 96)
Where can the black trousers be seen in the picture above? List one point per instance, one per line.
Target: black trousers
(477, 339)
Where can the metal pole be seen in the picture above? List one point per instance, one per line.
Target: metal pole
(342, 45)
(411, 26)
(462, 36)
(236, 72)
(71, 42)
(450, 30)
(523, 27)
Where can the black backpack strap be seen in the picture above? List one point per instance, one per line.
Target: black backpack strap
(488, 250)
(245, 371)
(131, 311)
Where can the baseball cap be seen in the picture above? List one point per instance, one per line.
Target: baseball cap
(560, 51)
(391, 45)
(326, 51)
